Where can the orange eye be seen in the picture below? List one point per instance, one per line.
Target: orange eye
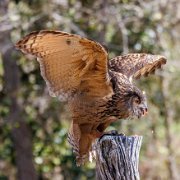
(137, 101)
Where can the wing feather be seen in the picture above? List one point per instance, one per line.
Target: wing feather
(68, 63)
(136, 65)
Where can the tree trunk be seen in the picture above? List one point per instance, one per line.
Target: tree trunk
(20, 133)
(117, 157)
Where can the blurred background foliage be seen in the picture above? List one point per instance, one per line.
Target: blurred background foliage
(35, 124)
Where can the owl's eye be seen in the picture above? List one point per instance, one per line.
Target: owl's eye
(137, 100)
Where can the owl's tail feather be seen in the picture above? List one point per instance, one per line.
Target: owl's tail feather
(73, 138)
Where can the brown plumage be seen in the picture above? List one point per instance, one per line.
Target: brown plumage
(98, 91)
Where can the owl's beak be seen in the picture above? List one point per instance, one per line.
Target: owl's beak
(144, 111)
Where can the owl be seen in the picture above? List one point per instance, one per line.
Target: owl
(99, 91)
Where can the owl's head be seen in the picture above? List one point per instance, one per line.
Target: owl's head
(128, 100)
(137, 103)
(132, 104)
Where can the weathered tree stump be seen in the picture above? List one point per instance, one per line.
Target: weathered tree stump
(117, 157)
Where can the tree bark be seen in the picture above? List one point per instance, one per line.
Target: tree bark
(117, 157)
(20, 133)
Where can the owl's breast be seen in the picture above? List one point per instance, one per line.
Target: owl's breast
(88, 111)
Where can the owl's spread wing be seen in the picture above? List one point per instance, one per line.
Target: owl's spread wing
(68, 63)
(136, 65)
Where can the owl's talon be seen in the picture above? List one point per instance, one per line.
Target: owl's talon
(121, 134)
(109, 133)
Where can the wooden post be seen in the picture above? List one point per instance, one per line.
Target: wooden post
(117, 157)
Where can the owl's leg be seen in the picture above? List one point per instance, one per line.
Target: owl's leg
(81, 138)
(85, 143)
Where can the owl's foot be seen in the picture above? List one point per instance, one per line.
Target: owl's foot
(112, 133)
